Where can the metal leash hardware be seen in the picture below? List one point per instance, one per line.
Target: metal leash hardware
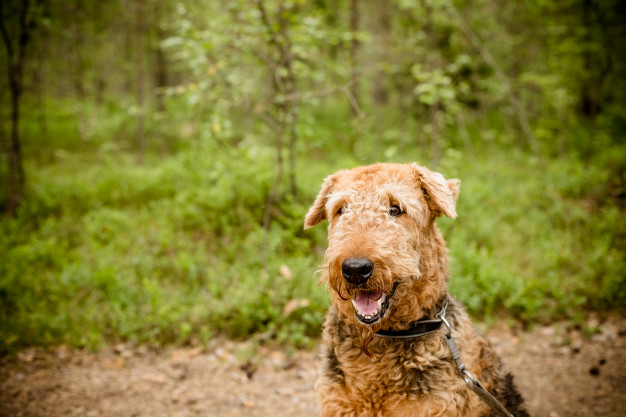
(471, 382)
(485, 395)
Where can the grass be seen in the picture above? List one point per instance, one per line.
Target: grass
(173, 250)
(525, 241)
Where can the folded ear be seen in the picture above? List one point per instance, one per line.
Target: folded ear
(317, 212)
(441, 194)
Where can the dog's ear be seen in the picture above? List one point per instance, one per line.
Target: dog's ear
(441, 194)
(317, 212)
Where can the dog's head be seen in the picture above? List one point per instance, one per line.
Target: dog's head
(386, 261)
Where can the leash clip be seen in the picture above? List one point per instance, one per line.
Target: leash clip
(485, 395)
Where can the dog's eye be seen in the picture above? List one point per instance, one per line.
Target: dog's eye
(339, 211)
(395, 210)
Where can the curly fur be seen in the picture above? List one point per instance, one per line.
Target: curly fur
(405, 377)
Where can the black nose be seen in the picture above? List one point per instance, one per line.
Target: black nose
(357, 270)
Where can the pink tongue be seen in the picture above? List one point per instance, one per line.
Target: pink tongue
(366, 301)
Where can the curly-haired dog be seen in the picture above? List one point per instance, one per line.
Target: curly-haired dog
(387, 267)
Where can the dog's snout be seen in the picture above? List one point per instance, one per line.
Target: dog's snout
(357, 270)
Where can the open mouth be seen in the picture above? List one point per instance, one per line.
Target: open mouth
(370, 306)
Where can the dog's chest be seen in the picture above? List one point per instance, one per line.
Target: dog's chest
(396, 388)
(402, 376)
(400, 373)
(394, 385)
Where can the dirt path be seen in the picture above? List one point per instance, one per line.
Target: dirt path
(559, 371)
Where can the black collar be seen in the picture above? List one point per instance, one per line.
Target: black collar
(418, 328)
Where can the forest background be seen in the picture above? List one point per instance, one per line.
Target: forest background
(158, 157)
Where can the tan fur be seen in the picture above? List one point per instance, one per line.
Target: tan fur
(406, 378)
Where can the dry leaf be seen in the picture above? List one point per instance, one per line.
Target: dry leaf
(285, 272)
(294, 304)
(290, 306)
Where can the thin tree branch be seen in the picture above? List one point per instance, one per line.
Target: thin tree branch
(268, 25)
(301, 96)
(353, 102)
(269, 120)
(490, 60)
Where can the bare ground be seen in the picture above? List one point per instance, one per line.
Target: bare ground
(561, 371)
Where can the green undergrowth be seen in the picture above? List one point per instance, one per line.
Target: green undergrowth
(174, 250)
(538, 240)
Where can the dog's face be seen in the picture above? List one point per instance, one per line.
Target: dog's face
(386, 261)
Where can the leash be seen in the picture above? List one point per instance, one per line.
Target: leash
(424, 327)
(471, 382)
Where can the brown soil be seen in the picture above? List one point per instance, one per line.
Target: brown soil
(561, 372)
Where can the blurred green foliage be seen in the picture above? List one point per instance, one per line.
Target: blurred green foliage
(178, 248)
(174, 251)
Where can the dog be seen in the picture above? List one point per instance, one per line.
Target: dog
(387, 270)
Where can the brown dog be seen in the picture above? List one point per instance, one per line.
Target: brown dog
(387, 267)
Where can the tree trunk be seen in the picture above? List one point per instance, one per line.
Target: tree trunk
(588, 102)
(160, 68)
(354, 48)
(16, 51)
(40, 83)
(380, 95)
(284, 85)
(141, 140)
(289, 87)
(435, 146)
(16, 177)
